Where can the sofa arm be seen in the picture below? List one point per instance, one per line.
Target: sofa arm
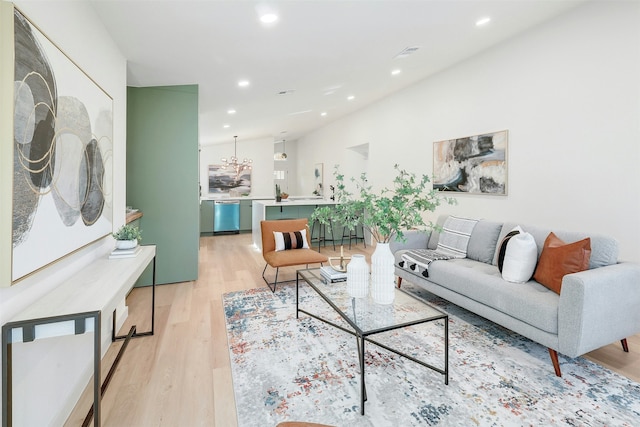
(598, 307)
(413, 239)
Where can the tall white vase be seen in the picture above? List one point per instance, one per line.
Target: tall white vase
(382, 274)
(358, 276)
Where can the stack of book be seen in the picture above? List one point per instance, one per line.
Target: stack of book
(125, 253)
(331, 275)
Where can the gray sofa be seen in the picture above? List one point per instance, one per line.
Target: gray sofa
(595, 307)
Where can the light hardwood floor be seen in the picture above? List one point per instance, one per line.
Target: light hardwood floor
(181, 376)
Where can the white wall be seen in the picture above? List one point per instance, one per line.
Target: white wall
(74, 27)
(258, 150)
(569, 94)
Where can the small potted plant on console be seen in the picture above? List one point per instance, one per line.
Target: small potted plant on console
(127, 237)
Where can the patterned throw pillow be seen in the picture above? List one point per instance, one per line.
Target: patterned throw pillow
(291, 240)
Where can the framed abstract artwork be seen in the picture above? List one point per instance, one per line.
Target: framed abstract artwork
(226, 180)
(474, 164)
(62, 154)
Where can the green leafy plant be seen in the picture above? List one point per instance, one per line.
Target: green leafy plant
(385, 214)
(128, 232)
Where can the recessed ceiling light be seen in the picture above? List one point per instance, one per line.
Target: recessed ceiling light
(396, 72)
(483, 21)
(350, 98)
(324, 113)
(231, 111)
(243, 83)
(268, 18)
(226, 126)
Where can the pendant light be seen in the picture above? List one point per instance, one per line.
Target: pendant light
(234, 164)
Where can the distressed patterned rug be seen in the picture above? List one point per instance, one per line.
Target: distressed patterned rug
(288, 369)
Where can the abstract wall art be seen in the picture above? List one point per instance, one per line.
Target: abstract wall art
(226, 180)
(318, 179)
(62, 154)
(474, 164)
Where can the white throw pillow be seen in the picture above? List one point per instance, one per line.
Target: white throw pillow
(520, 258)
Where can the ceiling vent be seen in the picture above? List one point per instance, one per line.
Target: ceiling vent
(286, 92)
(407, 51)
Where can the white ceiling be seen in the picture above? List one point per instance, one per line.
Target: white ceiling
(322, 50)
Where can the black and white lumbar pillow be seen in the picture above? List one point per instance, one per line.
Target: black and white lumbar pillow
(291, 240)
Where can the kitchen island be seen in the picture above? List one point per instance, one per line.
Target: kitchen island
(286, 209)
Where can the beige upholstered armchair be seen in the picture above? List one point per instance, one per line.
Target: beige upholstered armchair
(290, 248)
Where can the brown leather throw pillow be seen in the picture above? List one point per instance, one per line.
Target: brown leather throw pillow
(559, 258)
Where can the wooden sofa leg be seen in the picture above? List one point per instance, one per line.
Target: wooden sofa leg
(625, 346)
(399, 282)
(554, 360)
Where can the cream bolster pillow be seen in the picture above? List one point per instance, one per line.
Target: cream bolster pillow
(291, 240)
(518, 256)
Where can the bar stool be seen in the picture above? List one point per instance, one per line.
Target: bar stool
(356, 234)
(322, 233)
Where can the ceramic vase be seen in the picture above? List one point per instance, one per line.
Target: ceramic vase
(126, 244)
(358, 276)
(382, 274)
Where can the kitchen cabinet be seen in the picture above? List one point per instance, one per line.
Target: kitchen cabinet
(245, 215)
(206, 216)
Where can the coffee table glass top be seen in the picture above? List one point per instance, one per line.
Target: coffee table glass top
(365, 314)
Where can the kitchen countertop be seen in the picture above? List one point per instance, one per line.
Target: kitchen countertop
(296, 202)
(309, 199)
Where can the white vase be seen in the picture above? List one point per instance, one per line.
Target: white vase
(126, 244)
(358, 277)
(382, 275)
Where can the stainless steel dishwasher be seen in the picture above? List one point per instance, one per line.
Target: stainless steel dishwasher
(226, 216)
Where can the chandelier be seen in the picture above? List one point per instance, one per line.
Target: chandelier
(233, 162)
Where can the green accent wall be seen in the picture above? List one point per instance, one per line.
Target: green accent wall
(162, 176)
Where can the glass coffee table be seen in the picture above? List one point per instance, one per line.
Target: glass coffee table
(366, 318)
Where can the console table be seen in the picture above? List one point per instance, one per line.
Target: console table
(76, 307)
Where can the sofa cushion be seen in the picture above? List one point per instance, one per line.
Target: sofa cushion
(455, 235)
(529, 302)
(435, 234)
(483, 241)
(558, 259)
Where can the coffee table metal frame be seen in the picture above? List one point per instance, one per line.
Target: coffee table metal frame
(308, 276)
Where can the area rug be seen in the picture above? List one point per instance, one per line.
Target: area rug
(288, 369)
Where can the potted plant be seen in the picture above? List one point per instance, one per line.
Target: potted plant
(127, 237)
(385, 214)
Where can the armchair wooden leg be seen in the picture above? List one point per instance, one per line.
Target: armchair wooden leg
(554, 360)
(399, 283)
(625, 346)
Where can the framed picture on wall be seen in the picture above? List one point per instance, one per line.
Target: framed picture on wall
(318, 183)
(225, 180)
(62, 153)
(474, 164)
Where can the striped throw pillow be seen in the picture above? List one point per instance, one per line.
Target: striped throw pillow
(454, 237)
(291, 240)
